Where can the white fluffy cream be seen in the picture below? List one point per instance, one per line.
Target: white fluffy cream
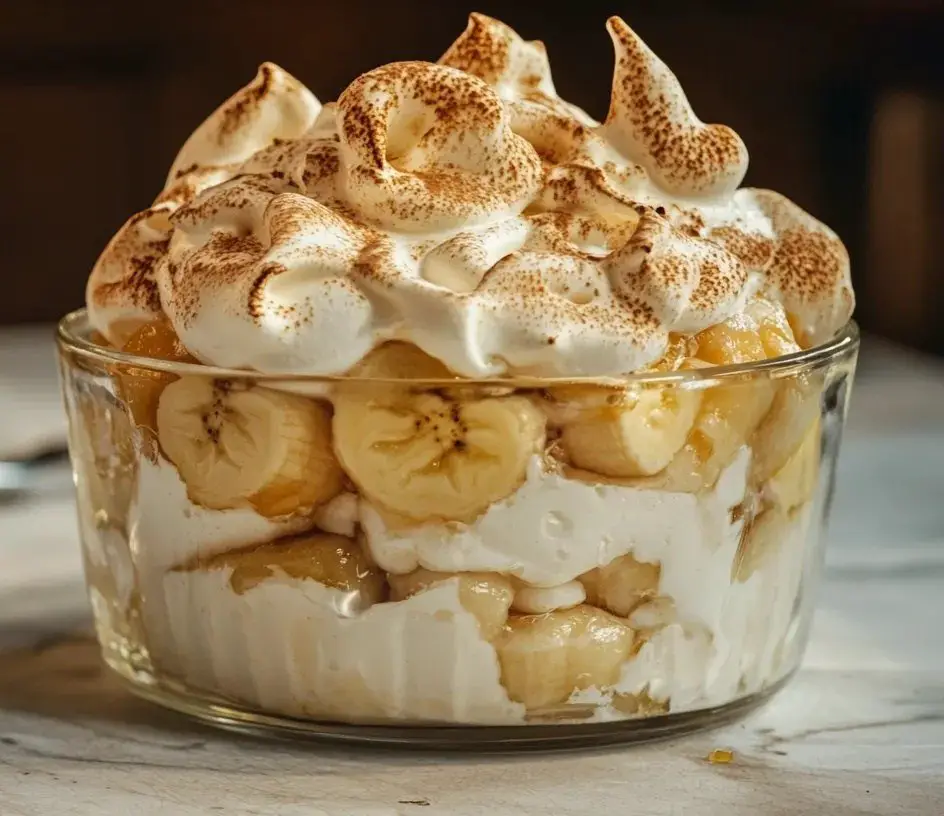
(538, 600)
(283, 646)
(751, 643)
(291, 646)
(167, 529)
(553, 529)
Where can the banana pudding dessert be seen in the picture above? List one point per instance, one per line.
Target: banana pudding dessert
(448, 403)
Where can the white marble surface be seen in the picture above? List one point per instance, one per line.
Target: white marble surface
(859, 731)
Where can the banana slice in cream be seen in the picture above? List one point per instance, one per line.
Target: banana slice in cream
(244, 446)
(487, 595)
(546, 658)
(432, 454)
(636, 438)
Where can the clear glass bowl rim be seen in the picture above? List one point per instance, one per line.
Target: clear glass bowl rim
(73, 329)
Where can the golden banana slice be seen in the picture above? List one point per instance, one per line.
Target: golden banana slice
(795, 483)
(487, 595)
(139, 388)
(735, 341)
(793, 414)
(546, 658)
(732, 411)
(401, 361)
(432, 454)
(637, 438)
(773, 327)
(622, 585)
(237, 446)
(332, 560)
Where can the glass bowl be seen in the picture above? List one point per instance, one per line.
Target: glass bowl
(407, 557)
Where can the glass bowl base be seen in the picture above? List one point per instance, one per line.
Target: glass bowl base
(234, 716)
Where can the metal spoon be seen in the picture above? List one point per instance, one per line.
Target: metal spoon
(45, 473)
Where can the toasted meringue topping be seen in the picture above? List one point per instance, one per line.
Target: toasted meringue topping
(493, 52)
(688, 283)
(652, 122)
(809, 272)
(463, 207)
(425, 147)
(274, 105)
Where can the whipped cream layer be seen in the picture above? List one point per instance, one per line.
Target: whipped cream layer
(754, 643)
(466, 208)
(553, 529)
(425, 659)
(166, 529)
(286, 646)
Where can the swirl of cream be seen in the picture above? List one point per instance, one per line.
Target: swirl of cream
(495, 53)
(652, 123)
(460, 263)
(122, 293)
(548, 314)
(688, 283)
(516, 68)
(425, 148)
(257, 278)
(809, 273)
(273, 106)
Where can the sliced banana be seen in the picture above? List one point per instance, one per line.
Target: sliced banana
(568, 404)
(487, 595)
(794, 412)
(730, 412)
(795, 483)
(637, 438)
(401, 361)
(773, 327)
(332, 560)
(737, 340)
(677, 352)
(546, 658)
(432, 454)
(622, 585)
(139, 388)
(245, 446)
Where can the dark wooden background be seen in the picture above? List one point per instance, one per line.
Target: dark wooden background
(841, 105)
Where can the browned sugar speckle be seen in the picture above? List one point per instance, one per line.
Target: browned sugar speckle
(128, 264)
(673, 263)
(555, 135)
(485, 170)
(689, 156)
(482, 49)
(810, 263)
(186, 170)
(222, 262)
(755, 251)
(542, 291)
(240, 106)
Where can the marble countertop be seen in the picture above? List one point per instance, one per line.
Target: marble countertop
(859, 731)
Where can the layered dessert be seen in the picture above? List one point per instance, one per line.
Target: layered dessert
(433, 431)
